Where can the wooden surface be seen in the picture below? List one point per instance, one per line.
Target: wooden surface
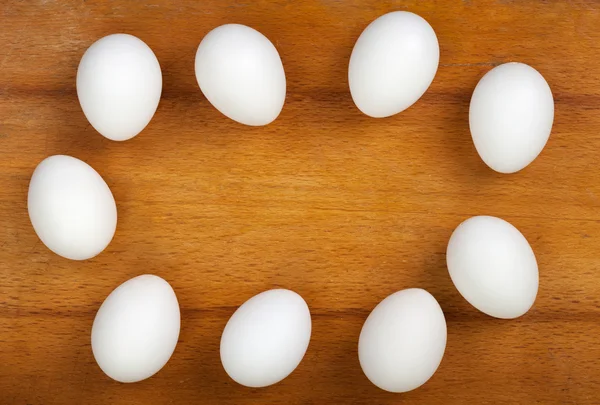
(342, 208)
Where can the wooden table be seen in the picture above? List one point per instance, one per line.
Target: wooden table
(340, 207)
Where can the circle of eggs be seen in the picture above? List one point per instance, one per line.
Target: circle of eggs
(392, 64)
(510, 116)
(403, 340)
(119, 83)
(71, 208)
(493, 266)
(394, 61)
(136, 329)
(240, 72)
(266, 338)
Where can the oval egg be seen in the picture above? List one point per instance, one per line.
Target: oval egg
(403, 341)
(266, 338)
(493, 266)
(71, 208)
(511, 116)
(392, 64)
(240, 73)
(136, 329)
(119, 83)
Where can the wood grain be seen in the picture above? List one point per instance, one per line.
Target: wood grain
(342, 208)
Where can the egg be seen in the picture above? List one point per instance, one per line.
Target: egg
(511, 116)
(403, 341)
(119, 83)
(136, 329)
(240, 73)
(266, 338)
(71, 208)
(392, 64)
(493, 267)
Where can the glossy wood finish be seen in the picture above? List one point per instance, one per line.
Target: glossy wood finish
(342, 208)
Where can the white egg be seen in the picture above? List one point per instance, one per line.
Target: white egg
(511, 115)
(403, 341)
(119, 83)
(266, 338)
(71, 208)
(241, 74)
(136, 329)
(493, 267)
(392, 64)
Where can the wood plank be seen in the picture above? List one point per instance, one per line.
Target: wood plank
(342, 208)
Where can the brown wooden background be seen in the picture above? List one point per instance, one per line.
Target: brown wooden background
(340, 207)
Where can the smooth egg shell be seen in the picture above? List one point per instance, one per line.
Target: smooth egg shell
(71, 208)
(266, 338)
(403, 340)
(240, 72)
(119, 83)
(136, 329)
(392, 64)
(511, 116)
(493, 266)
